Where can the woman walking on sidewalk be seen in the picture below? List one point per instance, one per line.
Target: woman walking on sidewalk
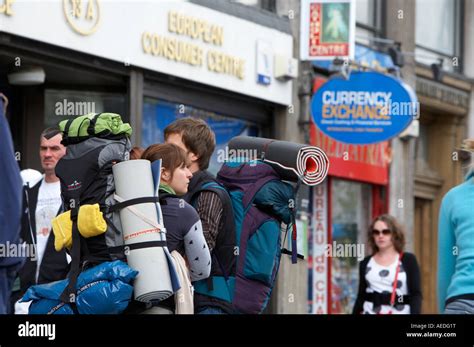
(389, 279)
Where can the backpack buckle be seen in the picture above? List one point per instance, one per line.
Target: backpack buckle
(210, 284)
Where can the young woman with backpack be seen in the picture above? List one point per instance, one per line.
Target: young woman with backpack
(389, 279)
(182, 223)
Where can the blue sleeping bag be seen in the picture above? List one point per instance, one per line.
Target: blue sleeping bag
(103, 289)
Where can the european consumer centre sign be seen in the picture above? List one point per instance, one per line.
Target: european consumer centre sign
(367, 108)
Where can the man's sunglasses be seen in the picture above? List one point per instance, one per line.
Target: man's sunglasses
(376, 232)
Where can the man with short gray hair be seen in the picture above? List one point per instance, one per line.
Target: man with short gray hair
(43, 202)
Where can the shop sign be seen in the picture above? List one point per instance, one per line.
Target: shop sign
(178, 38)
(327, 29)
(82, 16)
(366, 108)
(365, 57)
(175, 48)
(319, 263)
(366, 163)
(6, 7)
(443, 93)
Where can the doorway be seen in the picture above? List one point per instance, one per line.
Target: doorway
(425, 250)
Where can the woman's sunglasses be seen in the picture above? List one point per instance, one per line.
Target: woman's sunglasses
(376, 232)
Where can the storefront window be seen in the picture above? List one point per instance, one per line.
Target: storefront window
(157, 114)
(65, 104)
(351, 212)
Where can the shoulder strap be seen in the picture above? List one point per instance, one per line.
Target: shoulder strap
(394, 289)
(26, 190)
(210, 186)
(163, 196)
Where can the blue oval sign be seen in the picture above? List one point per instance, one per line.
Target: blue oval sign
(367, 108)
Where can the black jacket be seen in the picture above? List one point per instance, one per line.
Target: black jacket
(54, 265)
(413, 282)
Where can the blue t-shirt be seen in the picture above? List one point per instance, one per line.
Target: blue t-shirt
(456, 242)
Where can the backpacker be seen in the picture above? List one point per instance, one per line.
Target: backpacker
(94, 143)
(260, 203)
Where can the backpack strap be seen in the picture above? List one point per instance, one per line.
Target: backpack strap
(204, 186)
(67, 296)
(65, 140)
(93, 121)
(210, 285)
(136, 201)
(222, 193)
(67, 126)
(163, 196)
(265, 148)
(138, 245)
(294, 252)
(294, 233)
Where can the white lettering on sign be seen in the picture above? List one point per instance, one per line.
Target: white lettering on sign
(356, 98)
(319, 230)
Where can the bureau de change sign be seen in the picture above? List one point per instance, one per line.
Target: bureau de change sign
(367, 108)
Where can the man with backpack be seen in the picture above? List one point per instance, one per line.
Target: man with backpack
(213, 295)
(43, 202)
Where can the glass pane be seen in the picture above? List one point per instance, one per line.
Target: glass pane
(247, 2)
(428, 58)
(363, 36)
(65, 104)
(435, 21)
(422, 143)
(351, 211)
(157, 114)
(365, 12)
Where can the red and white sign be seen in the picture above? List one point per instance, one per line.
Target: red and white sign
(327, 29)
(320, 260)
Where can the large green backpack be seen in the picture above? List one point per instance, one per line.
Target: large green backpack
(102, 125)
(95, 142)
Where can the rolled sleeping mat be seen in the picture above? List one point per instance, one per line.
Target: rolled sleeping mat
(292, 161)
(133, 179)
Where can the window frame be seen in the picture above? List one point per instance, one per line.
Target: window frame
(458, 38)
(379, 19)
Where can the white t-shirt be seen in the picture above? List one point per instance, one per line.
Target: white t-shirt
(380, 279)
(49, 201)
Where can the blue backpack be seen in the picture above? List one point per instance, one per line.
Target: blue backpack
(260, 203)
